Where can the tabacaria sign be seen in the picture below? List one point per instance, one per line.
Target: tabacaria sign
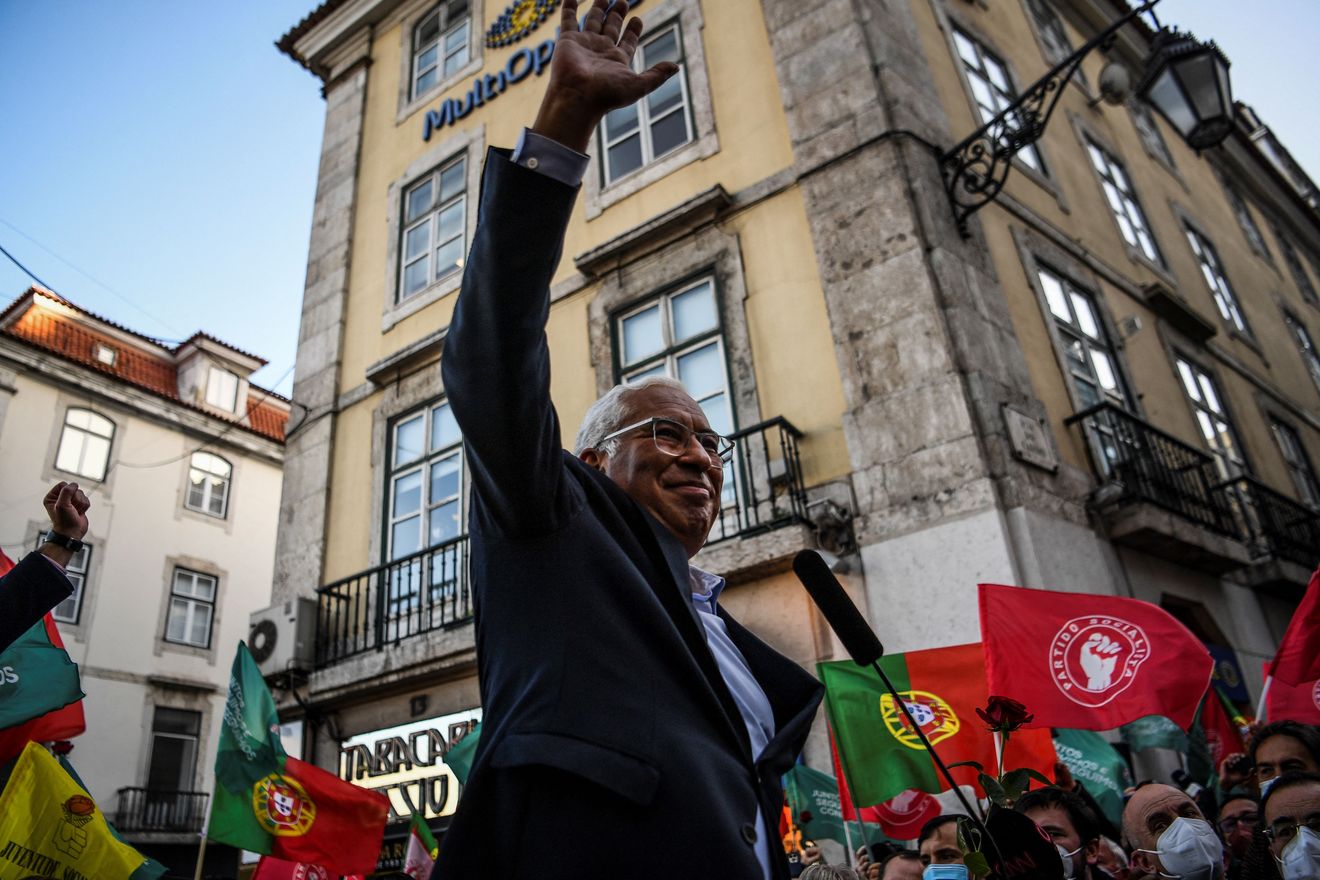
(527, 61)
(406, 764)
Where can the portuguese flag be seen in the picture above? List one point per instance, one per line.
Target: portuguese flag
(269, 803)
(943, 687)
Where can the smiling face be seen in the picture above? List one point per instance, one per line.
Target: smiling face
(681, 491)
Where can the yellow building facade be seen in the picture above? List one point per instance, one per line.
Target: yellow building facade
(1109, 386)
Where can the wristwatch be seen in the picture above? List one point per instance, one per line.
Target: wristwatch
(73, 545)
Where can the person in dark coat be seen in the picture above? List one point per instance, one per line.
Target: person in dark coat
(628, 719)
(37, 583)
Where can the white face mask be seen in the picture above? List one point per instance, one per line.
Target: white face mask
(1066, 857)
(1266, 785)
(1301, 856)
(1190, 849)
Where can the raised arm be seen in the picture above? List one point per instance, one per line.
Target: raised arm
(496, 364)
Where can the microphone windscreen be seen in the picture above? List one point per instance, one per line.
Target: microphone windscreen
(840, 612)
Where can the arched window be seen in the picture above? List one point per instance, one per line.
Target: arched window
(208, 484)
(85, 444)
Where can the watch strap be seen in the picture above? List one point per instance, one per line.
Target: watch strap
(73, 545)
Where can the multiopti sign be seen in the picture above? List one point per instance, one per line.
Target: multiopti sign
(406, 764)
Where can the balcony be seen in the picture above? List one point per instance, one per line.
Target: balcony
(1158, 494)
(430, 591)
(143, 810)
(1282, 535)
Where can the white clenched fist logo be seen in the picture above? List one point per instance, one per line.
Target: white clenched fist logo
(1099, 655)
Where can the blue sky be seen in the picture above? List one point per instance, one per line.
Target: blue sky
(168, 151)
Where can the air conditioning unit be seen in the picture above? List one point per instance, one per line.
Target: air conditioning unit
(283, 637)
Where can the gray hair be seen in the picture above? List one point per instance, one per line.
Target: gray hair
(822, 871)
(609, 413)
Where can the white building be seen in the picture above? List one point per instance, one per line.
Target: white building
(181, 456)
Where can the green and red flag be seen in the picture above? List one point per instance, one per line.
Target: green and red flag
(882, 756)
(422, 850)
(40, 695)
(816, 805)
(269, 803)
(459, 757)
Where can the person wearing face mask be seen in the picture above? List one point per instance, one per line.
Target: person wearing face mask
(1283, 746)
(1291, 812)
(1072, 826)
(1170, 837)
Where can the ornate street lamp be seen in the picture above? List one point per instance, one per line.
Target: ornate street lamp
(1186, 81)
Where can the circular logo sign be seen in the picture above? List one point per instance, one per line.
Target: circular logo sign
(310, 872)
(517, 21)
(935, 717)
(1093, 659)
(904, 815)
(282, 806)
(1315, 694)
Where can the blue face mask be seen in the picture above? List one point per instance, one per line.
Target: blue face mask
(945, 872)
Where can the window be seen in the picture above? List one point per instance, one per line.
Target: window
(1144, 122)
(992, 90)
(636, 135)
(1295, 267)
(1298, 462)
(1245, 220)
(1213, 273)
(105, 355)
(70, 609)
(174, 734)
(678, 335)
(1305, 345)
(222, 389)
(434, 237)
(1092, 365)
(85, 444)
(1123, 202)
(192, 605)
(208, 484)
(440, 45)
(1212, 417)
(1052, 34)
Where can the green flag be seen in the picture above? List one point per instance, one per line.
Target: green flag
(459, 757)
(1154, 732)
(813, 799)
(36, 677)
(1098, 766)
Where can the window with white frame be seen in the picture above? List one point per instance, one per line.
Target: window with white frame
(1305, 345)
(1212, 417)
(440, 45)
(222, 389)
(434, 238)
(192, 607)
(992, 89)
(1144, 122)
(85, 444)
(425, 504)
(1245, 220)
(173, 765)
(70, 609)
(1298, 462)
(1092, 364)
(208, 484)
(633, 137)
(1123, 202)
(1212, 270)
(1298, 271)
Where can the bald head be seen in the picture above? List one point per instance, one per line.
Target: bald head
(1150, 811)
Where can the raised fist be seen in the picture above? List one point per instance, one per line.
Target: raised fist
(1099, 656)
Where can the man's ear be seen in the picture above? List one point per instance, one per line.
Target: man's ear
(1145, 861)
(1092, 852)
(593, 458)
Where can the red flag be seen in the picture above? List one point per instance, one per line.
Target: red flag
(1090, 662)
(5, 564)
(348, 825)
(270, 868)
(1221, 734)
(64, 723)
(1298, 657)
(1290, 702)
(900, 818)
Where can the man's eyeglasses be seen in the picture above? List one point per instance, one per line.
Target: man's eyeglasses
(673, 438)
(1284, 829)
(1228, 823)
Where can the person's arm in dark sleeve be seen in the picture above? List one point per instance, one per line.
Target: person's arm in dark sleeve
(30, 589)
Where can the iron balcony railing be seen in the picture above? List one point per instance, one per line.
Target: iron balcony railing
(1148, 465)
(763, 487)
(1273, 524)
(145, 809)
(426, 591)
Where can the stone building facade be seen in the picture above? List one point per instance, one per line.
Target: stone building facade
(1109, 386)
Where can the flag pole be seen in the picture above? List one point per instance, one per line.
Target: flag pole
(201, 849)
(847, 781)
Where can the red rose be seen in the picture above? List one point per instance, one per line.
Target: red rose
(1004, 715)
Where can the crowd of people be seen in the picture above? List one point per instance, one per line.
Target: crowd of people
(1260, 822)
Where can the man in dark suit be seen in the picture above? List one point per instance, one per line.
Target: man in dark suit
(631, 726)
(37, 583)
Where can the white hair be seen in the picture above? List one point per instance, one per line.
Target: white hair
(609, 413)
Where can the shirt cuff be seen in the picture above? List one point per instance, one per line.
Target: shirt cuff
(58, 567)
(551, 158)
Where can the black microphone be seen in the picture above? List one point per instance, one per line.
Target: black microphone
(842, 615)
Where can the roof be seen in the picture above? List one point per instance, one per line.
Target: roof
(144, 364)
(298, 31)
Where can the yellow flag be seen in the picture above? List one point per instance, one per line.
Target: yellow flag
(51, 828)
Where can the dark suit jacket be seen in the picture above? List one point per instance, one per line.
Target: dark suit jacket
(30, 589)
(610, 744)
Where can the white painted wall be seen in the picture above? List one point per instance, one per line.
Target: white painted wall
(139, 528)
